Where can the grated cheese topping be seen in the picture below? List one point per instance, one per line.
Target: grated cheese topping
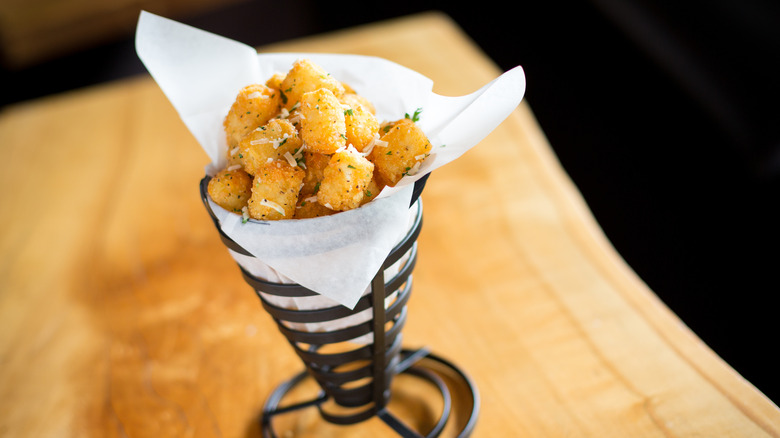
(288, 156)
(278, 142)
(273, 205)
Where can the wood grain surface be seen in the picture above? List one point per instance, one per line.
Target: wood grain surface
(122, 314)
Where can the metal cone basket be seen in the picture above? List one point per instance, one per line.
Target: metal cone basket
(355, 365)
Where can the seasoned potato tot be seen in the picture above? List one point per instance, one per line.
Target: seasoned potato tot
(345, 180)
(315, 166)
(275, 81)
(352, 99)
(361, 125)
(275, 191)
(254, 106)
(374, 187)
(323, 125)
(309, 208)
(306, 76)
(406, 147)
(231, 189)
(270, 142)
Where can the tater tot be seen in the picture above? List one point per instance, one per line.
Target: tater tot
(231, 189)
(275, 191)
(306, 76)
(407, 146)
(268, 143)
(253, 107)
(351, 98)
(361, 125)
(315, 166)
(309, 208)
(345, 180)
(275, 81)
(372, 189)
(323, 125)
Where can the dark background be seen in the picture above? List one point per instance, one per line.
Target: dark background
(664, 113)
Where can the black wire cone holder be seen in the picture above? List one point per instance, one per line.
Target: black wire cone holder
(359, 378)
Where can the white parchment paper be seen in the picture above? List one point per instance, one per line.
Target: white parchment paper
(201, 73)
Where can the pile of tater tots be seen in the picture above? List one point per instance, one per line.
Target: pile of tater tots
(304, 145)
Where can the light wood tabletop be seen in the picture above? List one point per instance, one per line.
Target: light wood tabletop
(123, 315)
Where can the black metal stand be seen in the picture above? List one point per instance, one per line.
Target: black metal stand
(357, 375)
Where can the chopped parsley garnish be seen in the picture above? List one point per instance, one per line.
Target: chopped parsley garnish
(349, 112)
(414, 117)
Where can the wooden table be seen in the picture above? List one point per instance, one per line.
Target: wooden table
(122, 314)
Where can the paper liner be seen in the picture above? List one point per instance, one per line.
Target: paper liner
(337, 256)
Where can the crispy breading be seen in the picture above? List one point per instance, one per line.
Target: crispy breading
(306, 76)
(407, 146)
(351, 98)
(231, 189)
(275, 191)
(315, 166)
(361, 125)
(374, 187)
(323, 125)
(267, 143)
(275, 81)
(345, 180)
(309, 208)
(254, 105)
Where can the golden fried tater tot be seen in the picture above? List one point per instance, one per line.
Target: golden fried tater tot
(345, 180)
(323, 126)
(253, 107)
(351, 99)
(361, 125)
(315, 166)
(270, 142)
(374, 187)
(407, 146)
(231, 189)
(275, 191)
(306, 76)
(275, 81)
(309, 208)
